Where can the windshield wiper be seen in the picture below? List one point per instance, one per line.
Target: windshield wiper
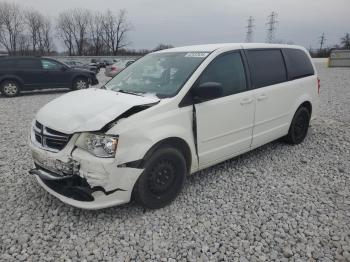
(129, 92)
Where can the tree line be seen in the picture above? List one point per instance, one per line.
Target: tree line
(21, 30)
(82, 32)
(325, 51)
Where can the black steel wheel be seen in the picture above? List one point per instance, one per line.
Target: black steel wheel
(299, 126)
(162, 179)
(161, 176)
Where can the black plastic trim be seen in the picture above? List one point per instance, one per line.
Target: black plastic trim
(133, 164)
(74, 187)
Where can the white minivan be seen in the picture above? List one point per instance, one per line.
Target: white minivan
(170, 114)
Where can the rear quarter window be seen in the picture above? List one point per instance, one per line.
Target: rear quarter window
(266, 67)
(298, 64)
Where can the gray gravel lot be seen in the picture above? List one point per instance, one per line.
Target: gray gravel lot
(276, 203)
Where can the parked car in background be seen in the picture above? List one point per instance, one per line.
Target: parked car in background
(80, 65)
(113, 70)
(102, 63)
(96, 62)
(108, 62)
(129, 63)
(29, 73)
(172, 113)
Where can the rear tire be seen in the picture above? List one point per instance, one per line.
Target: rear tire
(299, 126)
(10, 88)
(162, 179)
(80, 83)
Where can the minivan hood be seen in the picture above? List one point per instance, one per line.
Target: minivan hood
(88, 110)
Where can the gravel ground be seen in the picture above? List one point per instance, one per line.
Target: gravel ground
(276, 203)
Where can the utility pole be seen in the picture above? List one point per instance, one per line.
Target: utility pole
(271, 27)
(250, 26)
(322, 40)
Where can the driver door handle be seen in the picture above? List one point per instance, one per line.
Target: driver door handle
(246, 101)
(261, 97)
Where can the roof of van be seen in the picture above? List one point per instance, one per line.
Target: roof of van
(213, 47)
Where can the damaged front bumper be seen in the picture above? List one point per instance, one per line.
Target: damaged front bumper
(72, 186)
(82, 180)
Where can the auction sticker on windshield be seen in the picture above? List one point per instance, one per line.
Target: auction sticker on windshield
(196, 54)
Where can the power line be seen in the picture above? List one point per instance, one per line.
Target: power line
(271, 27)
(250, 26)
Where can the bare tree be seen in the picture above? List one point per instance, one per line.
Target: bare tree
(65, 30)
(85, 32)
(34, 21)
(11, 26)
(24, 45)
(116, 28)
(39, 32)
(81, 20)
(45, 36)
(345, 41)
(162, 47)
(96, 33)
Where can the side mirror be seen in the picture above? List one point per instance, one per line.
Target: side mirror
(63, 68)
(207, 91)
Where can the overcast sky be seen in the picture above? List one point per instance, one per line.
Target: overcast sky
(184, 22)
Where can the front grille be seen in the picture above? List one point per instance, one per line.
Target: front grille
(50, 139)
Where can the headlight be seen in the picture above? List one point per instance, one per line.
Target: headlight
(100, 145)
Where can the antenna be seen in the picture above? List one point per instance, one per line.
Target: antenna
(250, 26)
(271, 27)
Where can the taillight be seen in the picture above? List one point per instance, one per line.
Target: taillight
(318, 85)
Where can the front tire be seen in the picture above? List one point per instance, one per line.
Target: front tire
(80, 83)
(299, 126)
(162, 179)
(10, 88)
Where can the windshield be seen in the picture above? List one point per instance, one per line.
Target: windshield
(162, 74)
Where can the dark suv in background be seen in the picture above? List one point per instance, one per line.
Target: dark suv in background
(28, 73)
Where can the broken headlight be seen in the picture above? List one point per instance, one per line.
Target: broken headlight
(100, 145)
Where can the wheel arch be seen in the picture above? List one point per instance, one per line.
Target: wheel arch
(174, 142)
(302, 101)
(291, 138)
(12, 78)
(307, 104)
(77, 76)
